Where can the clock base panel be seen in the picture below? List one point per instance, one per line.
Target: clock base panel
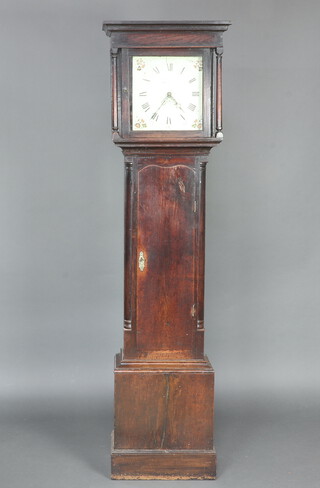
(153, 464)
(163, 420)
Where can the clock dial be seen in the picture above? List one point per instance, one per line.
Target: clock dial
(167, 93)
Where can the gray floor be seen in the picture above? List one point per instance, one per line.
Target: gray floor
(262, 441)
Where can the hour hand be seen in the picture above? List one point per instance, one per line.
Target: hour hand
(155, 115)
(163, 102)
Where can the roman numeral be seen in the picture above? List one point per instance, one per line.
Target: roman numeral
(168, 120)
(170, 67)
(146, 106)
(195, 94)
(191, 106)
(143, 94)
(156, 69)
(155, 116)
(192, 80)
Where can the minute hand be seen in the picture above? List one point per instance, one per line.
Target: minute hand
(176, 103)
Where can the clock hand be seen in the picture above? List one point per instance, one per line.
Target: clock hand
(163, 102)
(179, 106)
(175, 101)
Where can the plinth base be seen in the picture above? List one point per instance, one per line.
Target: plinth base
(163, 422)
(131, 464)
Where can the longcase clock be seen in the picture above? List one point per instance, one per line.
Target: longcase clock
(166, 117)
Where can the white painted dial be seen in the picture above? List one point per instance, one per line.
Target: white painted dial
(167, 93)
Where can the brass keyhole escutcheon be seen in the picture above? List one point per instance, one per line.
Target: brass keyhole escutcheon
(141, 261)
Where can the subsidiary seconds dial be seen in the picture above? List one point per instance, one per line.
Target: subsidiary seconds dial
(167, 93)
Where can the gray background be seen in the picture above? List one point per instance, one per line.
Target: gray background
(61, 246)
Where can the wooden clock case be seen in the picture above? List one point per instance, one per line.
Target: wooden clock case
(164, 384)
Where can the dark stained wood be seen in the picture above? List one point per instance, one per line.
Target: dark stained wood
(149, 420)
(164, 384)
(163, 465)
(176, 39)
(114, 68)
(219, 52)
(166, 464)
(166, 236)
(147, 399)
(165, 220)
(156, 25)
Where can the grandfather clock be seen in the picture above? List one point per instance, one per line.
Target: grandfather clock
(166, 117)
